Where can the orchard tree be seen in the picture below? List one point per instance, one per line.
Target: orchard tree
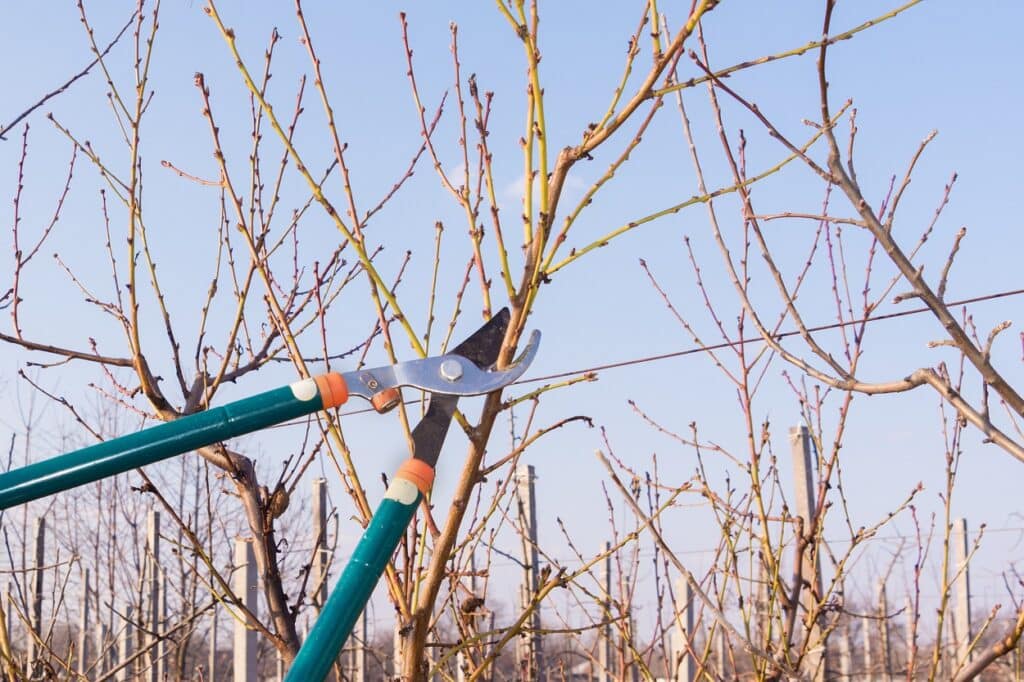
(301, 218)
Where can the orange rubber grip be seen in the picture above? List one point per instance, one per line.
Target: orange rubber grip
(418, 472)
(333, 390)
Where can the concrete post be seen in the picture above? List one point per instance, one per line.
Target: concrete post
(211, 665)
(83, 627)
(883, 634)
(126, 647)
(684, 668)
(813, 664)
(845, 654)
(244, 585)
(161, 647)
(866, 626)
(962, 591)
(525, 478)
(36, 624)
(152, 570)
(362, 642)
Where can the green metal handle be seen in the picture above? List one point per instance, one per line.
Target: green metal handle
(356, 584)
(166, 440)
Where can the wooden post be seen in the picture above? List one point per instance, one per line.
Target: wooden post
(244, 585)
(125, 647)
(883, 634)
(813, 664)
(604, 634)
(962, 590)
(152, 618)
(320, 551)
(525, 478)
(36, 624)
(684, 668)
(83, 627)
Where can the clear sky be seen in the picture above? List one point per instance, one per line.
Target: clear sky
(943, 65)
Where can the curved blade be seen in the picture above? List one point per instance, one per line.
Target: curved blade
(457, 374)
(466, 370)
(486, 380)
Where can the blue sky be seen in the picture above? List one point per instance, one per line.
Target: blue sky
(942, 65)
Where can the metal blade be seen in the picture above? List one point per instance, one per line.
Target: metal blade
(483, 345)
(428, 436)
(466, 370)
(481, 348)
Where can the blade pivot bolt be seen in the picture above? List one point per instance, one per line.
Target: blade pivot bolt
(451, 370)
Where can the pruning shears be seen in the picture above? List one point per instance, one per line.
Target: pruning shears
(466, 370)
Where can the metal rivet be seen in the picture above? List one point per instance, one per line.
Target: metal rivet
(451, 370)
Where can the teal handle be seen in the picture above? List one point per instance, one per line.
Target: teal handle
(159, 442)
(356, 584)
